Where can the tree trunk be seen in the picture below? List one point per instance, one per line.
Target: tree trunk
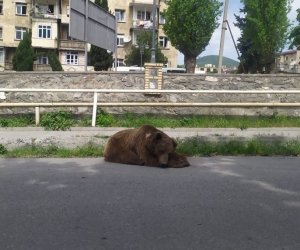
(190, 63)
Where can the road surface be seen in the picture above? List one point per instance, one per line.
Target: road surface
(217, 203)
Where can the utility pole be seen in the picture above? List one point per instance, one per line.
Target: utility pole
(223, 37)
(153, 59)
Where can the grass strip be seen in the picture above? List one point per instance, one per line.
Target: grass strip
(193, 146)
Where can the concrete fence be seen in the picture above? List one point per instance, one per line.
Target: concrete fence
(118, 92)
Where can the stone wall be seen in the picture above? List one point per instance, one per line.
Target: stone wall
(134, 80)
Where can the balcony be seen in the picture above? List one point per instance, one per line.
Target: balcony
(45, 11)
(72, 45)
(141, 24)
(143, 2)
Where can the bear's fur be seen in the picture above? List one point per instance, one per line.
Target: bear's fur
(144, 146)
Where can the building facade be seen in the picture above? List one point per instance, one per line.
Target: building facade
(49, 22)
(289, 61)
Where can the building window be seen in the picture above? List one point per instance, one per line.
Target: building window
(21, 8)
(2, 55)
(20, 33)
(42, 60)
(1, 33)
(162, 20)
(72, 58)
(1, 7)
(143, 15)
(44, 31)
(120, 15)
(163, 42)
(120, 40)
(120, 62)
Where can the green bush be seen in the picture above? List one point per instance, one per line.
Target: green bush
(61, 120)
(104, 119)
(54, 62)
(3, 150)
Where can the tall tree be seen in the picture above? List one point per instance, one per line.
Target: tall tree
(144, 40)
(23, 58)
(263, 32)
(99, 57)
(190, 25)
(295, 33)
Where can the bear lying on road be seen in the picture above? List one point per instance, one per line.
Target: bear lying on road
(144, 146)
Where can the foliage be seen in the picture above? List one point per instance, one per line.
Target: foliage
(54, 62)
(134, 57)
(190, 25)
(24, 57)
(17, 121)
(263, 33)
(3, 149)
(104, 119)
(294, 36)
(100, 58)
(61, 120)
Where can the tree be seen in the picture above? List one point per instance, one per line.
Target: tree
(99, 57)
(263, 33)
(23, 58)
(295, 33)
(190, 25)
(134, 57)
(54, 62)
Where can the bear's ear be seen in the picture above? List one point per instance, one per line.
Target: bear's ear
(158, 135)
(174, 142)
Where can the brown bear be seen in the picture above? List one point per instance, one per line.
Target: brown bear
(144, 146)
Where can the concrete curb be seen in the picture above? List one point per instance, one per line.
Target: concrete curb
(79, 136)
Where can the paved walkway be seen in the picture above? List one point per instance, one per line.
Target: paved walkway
(78, 136)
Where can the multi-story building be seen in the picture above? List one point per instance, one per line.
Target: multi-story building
(49, 22)
(134, 17)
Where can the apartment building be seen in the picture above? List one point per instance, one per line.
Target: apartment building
(49, 21)
(134, 17)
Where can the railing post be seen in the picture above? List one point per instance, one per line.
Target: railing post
(37, 116)
(94, 109)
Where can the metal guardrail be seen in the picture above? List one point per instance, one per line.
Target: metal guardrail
(95, 102)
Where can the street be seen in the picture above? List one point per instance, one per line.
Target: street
(217, 203)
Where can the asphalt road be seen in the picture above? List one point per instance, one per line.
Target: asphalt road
(217, 203)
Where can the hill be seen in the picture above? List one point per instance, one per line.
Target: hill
(213, 59)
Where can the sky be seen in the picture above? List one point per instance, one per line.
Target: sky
(229, 50)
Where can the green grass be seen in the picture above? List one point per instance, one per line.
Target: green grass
(35, 151)
(63, 120)
(193, 146)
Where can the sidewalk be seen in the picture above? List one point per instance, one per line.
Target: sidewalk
(78, 136)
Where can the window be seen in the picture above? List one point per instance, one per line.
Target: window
(44, 31)
(162, 20)
(120, 62)
(120, 15)
(120, 40)
(2, 55)
(143, 15)
(42, 60)
(20, 33)
(46, 9)
(72, 58)
(163, 42)
(1, 33)
(1, 7)
(21, 8)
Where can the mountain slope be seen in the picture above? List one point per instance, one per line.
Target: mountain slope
(214, 60)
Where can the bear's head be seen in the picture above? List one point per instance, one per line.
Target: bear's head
(161, 146)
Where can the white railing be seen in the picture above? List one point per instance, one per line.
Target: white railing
(95, 102)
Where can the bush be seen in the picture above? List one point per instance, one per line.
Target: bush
(61, 120)
(3, 150)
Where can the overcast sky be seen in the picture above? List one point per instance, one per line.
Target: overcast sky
(229, 50)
